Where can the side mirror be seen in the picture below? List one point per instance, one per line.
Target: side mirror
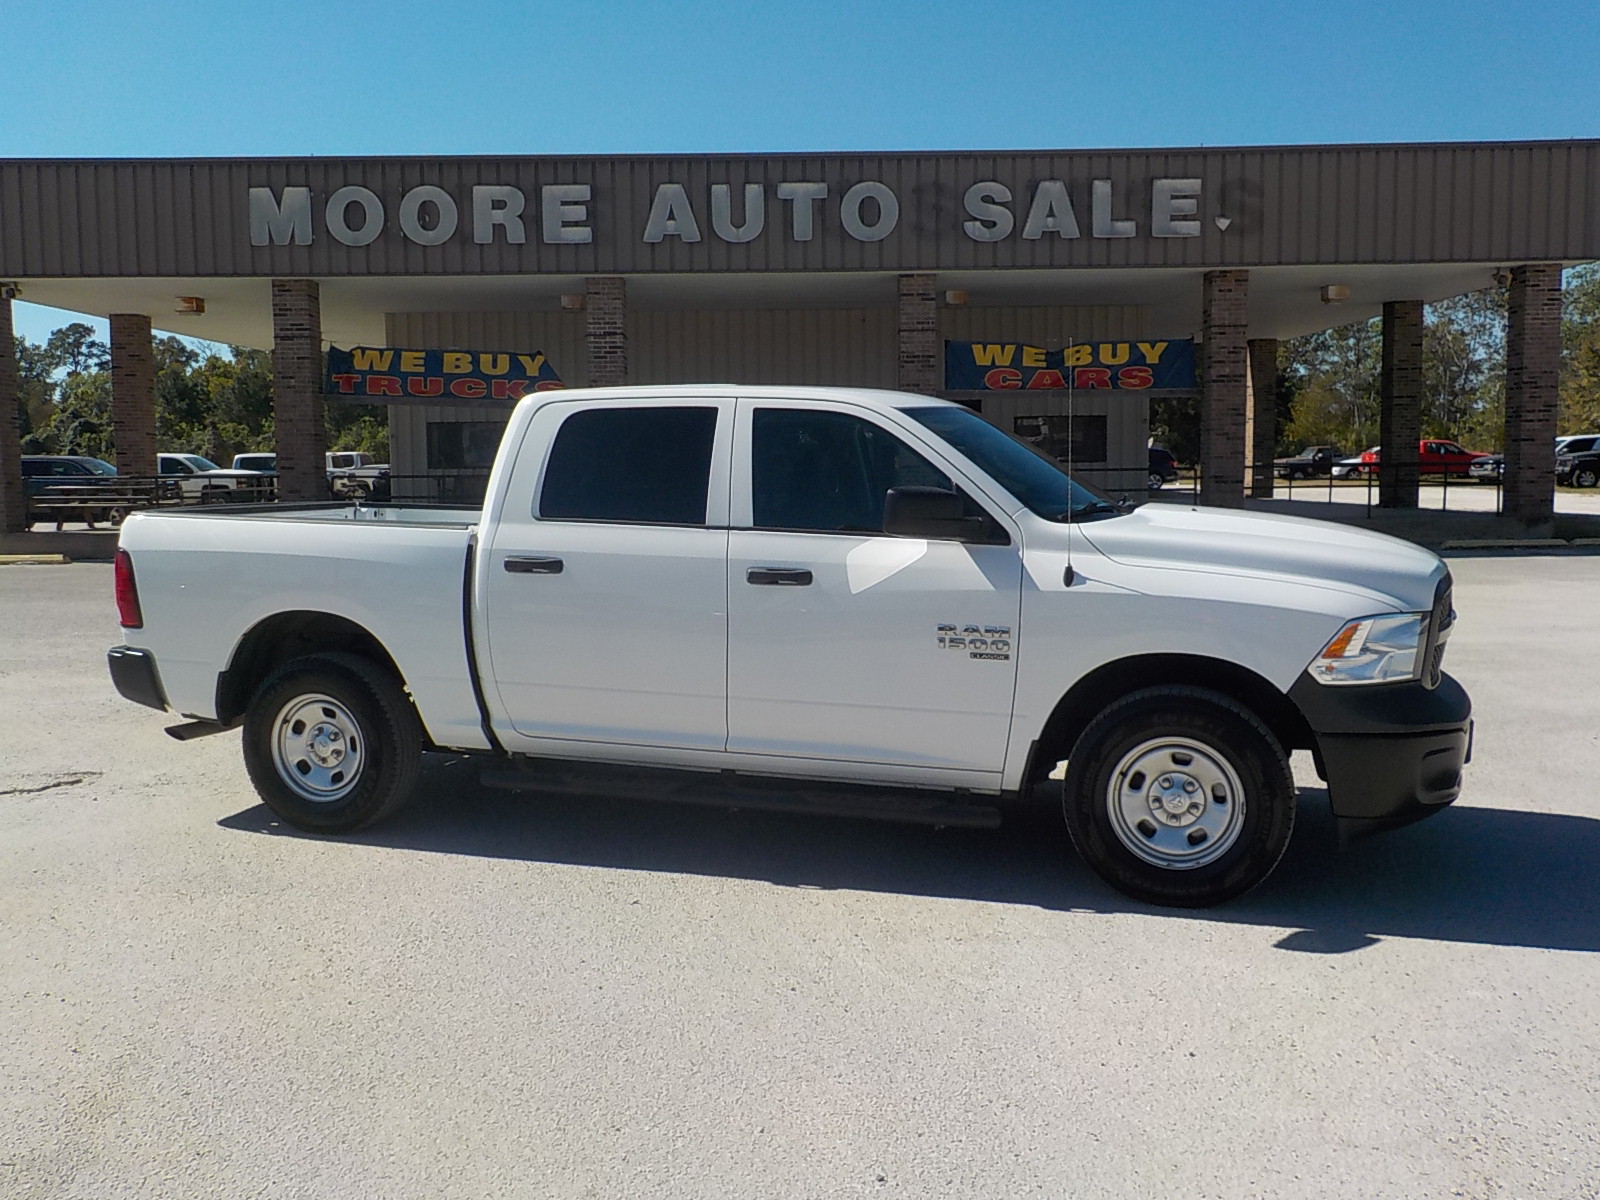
(927, 512)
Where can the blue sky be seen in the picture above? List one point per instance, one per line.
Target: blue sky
(95, 78)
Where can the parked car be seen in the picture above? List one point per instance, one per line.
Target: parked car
(1310, 463)
(833, 597)
(261, 463)
(1489, 468)
(1579, 470)
(1578, 443)
(43, 474)
(1163, 468)
(1435, 456)
(1355, 466)
(353, 475)
(201, 479)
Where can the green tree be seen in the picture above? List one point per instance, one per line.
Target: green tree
(1580, 350)
(81, 420)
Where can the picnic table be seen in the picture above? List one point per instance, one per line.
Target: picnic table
(107, 501)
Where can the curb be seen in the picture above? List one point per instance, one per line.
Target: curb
(33, 559)
(1518, 543)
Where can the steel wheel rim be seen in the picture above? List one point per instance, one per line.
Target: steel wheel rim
(1175, 803)
(318, 748)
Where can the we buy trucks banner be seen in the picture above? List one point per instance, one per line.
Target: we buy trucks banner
(1111, 366)
(395, 376)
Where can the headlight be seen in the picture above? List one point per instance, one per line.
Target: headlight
(1373, 650)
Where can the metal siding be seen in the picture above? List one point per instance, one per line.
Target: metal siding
(1427, 203)
(842, 347)
(1044, 325)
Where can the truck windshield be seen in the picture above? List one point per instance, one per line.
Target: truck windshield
(1032, 477)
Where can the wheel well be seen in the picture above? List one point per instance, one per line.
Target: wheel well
(1109, 683)
(286, 636)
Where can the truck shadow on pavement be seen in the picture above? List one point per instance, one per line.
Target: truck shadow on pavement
(1476, 875)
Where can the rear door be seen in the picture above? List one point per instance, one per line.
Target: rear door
(604, 591)
(847, 644)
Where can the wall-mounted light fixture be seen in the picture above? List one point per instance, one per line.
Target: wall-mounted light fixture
(956, 298)
(9, 291)
(1502, 277)
(573, 301)
(191, 305)
(1335, 293)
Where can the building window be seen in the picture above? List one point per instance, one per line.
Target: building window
(463, 445)
(1080, 439)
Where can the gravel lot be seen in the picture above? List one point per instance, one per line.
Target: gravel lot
(508, 996)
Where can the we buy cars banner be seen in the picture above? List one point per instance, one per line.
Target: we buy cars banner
(1112, 366)
(395, 376)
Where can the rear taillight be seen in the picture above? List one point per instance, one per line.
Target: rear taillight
(128, 613)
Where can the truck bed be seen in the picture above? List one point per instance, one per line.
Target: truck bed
(208, 577)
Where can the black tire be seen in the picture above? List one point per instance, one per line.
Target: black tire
(366, 719)
(1242, 831)
(1154, 481)
(1585, 476)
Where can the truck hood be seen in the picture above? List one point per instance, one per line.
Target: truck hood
(1264, 544)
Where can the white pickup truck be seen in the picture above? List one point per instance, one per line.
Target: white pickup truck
(756, 595)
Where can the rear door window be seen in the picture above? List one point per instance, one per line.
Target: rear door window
(649, 465)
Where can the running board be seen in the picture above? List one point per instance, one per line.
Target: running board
(727, 790)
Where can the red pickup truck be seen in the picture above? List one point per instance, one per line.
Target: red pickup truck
(1435, 456)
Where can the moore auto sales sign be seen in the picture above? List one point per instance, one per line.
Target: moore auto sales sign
(685, 212)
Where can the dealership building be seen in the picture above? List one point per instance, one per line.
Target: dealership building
(1055, 292)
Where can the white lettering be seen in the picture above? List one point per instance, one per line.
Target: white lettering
(755, 213)
(986, 202)
(804, 197)
(1172, 198)
(888, 211)
(338, 206)
(1100, 208)
(671, 215)
(276, 222)
(565, 208)
(497, 204)
(1050, 212)
(446, 215)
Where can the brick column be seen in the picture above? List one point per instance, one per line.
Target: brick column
(1222, 396)
(297, 384)
(133, 395)
(606, 309)
(13, 500)
(1533, 363)
(921, 355)
(1400, 414)
(1261, 424)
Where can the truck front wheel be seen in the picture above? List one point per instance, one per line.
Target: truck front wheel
(1179, 796)
(332, 743)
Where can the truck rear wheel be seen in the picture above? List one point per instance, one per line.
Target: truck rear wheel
(332, 743)
(1179, 796)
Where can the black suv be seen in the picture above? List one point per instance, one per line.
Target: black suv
(1163, 468)
(1578, 470)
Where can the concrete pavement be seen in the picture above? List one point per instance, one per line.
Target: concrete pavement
(503, 995)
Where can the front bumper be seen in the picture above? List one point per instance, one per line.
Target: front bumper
(135, 676)
(1391, 752)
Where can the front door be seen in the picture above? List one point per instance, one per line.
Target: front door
(847, 644)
